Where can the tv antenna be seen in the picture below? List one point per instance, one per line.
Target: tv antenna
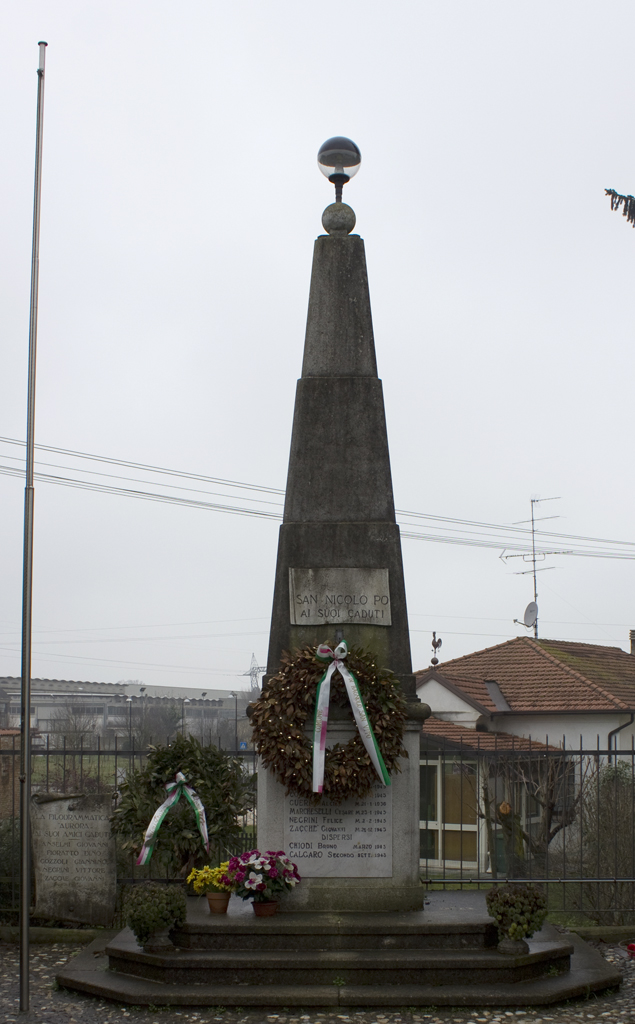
(255, 671)
(530, 618)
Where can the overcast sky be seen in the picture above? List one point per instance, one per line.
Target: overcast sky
(181, 199)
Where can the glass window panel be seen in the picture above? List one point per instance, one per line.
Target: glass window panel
(459, 845)
(428, 844)
(428, 792)
(459, 794)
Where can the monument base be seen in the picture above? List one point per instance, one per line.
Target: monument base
(359, 856)
(324, 896)
(443, 956)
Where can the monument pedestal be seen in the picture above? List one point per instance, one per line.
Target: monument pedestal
(358, 856)
(445, 956)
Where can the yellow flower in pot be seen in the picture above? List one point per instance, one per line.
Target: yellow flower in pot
(215, 883)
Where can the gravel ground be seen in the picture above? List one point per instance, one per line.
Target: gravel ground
(49, 1006)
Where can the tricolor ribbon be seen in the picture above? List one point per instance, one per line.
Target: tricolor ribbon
(174, 790)
(336, 658)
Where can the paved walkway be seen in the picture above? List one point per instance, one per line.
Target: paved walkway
(58, 1007)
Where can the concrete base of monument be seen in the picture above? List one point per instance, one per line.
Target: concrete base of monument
(356, 856)
(443, 956)
(323, 896)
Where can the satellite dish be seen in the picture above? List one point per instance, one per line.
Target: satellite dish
(531, 614)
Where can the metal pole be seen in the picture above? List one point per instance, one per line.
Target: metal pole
(533, 558)
(27, 576)
(129, 703)
(235, 696)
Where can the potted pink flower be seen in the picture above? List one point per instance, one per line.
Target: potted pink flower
(263, 878)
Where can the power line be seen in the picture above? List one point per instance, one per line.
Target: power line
(147, 625)
(463, 532)
(152, 639)
(510, 636)
(170, 499)
(164, 470)
(470, 538)
(497, 544)
(133, 479)
(146, 468)
(43, 656)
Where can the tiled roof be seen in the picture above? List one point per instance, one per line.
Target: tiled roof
(451, 734)
(548, 675)
(473, 688)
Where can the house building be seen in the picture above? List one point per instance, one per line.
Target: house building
(513, 730)
(544, 689)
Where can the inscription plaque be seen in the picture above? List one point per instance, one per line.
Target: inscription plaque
(348, 840)
(74, 858)
(339, 597)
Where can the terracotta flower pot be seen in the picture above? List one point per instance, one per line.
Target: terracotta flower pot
(218, 902)
(265, 908)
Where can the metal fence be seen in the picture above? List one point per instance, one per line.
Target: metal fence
(507, 809)
(74, 767)
(496, 809)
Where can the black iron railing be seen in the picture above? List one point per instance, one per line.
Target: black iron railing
(499, 808)
(73, 767)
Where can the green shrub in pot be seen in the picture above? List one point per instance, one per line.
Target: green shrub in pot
(152, 907)
(519, 910)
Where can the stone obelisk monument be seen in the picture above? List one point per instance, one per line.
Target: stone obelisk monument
(339, 576)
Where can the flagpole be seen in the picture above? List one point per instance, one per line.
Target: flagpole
(27, 569)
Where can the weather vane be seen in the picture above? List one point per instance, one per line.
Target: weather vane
(435, 647)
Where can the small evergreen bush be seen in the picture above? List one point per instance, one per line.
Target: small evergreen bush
(151, 907)
(519, 910)
(220, 781)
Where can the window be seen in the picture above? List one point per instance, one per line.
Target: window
(448, 816)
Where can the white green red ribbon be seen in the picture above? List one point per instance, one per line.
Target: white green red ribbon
(322, 697)
(174, 790)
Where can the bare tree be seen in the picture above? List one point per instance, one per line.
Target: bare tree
(72, 724)
(146, 722)
(606, 844)
(529, 798)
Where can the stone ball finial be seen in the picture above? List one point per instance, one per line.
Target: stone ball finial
(338, 219)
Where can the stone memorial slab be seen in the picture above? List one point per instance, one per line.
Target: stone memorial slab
(339, 597)
(73, 858)
(348, 840)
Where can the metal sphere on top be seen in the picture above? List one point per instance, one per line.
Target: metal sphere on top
(339, 160)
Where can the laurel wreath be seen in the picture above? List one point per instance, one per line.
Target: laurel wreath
(282, 718)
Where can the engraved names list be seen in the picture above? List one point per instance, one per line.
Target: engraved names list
(352, 839)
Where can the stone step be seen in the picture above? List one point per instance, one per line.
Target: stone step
(339, 966)
(241, 929)
(88, 972)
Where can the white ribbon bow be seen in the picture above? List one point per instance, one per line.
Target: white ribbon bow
(322, 697)
(174, 790)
